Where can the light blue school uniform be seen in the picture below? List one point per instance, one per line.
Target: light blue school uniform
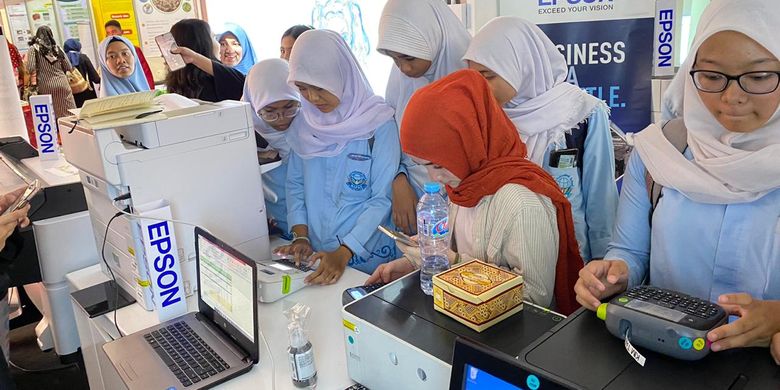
(593, 195)
(703, 250)
(342, 199)
(275, 180)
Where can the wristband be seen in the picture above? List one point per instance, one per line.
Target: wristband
(297, 237)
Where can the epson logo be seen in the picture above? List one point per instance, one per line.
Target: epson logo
(665, 38)
(44, 127)
(164, 263)
(552, 3)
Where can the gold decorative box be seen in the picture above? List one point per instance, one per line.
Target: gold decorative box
(477, 294)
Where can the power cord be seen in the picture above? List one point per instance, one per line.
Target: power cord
(116, 285)
(42, 370)
(131, 214)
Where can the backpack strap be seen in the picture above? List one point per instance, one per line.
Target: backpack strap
(677, 135)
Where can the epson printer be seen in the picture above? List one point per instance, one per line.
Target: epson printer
(396, 340)
(201, 161)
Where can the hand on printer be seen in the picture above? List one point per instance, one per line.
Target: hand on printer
(299, 251)
(759, 321)
(332, 265)
(600, 279)
(391, 271)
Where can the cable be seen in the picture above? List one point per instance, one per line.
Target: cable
(271, 357)
(42, 370)
(116, 285)
(156, 218)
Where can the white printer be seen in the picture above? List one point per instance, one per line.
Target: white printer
(201, 160)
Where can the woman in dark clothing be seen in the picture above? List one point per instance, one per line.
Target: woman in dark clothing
(81, 62)
(48, 65)
(204, 77)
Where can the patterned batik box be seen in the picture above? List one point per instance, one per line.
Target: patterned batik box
(477, 294)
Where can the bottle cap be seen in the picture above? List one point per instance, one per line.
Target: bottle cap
(432, 188)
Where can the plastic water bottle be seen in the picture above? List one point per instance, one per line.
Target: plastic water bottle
(432, 235)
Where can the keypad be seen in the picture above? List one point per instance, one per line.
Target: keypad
(675, 301)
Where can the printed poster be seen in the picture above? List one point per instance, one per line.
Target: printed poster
(119, 10)
(608, 45)
(41, 13)
(155, 17)
(19, 25)
(71, 14)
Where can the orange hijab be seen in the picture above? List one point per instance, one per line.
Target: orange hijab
(457, 124)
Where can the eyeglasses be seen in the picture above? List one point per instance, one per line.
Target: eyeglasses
(274, 116)
(756, 83)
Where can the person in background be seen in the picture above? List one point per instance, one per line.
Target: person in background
(427, 42)
(121, 69)
(18, 64)
(47, 66)
(204, 77)
(528, 74)
(344, 161)
(276, 105)
(235, 49)
(11, 243)
(505, 209)
(289, 37)
(715, 231)
(113, 28)
(84, 65)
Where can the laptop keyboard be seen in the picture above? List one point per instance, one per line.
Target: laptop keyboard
(185, 353)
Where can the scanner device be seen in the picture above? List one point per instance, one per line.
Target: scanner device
(665, 321)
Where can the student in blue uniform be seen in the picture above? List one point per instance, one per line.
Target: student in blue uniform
(275, 104)
(528, 76)
(426, 41)
(339, 176)
(715, 231)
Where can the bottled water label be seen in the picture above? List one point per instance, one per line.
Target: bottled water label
(437, 230)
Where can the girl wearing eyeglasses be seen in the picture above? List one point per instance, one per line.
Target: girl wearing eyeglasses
(343, 162)
(715, 231)
(276, 105)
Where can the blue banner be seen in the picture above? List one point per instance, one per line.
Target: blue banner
(612, 60)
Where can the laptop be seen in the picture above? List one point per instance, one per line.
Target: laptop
(201, 349)
(476, 366)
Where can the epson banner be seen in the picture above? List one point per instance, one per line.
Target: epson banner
(666, 37)
(45, 124)
(608, 46)
(162, 260)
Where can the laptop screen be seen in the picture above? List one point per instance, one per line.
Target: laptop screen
(477, 379)
(476, 366)
(226, 286)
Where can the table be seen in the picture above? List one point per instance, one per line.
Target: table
(324, 327)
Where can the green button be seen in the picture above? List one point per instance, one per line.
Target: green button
(351, 340)
(623, 300)
(601, 311)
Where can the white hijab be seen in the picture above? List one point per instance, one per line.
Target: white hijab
(727, 167)
(266, 83)
(546, 106)
(425, 29)
(323, 59)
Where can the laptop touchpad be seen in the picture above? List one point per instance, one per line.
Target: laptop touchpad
(127, 367)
